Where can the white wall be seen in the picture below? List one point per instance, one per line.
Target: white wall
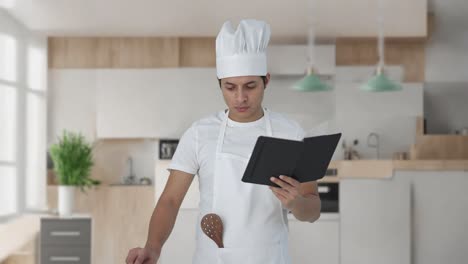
(346, 109)
(445, 107)
(391, 115)
(353, 112)
(446, 68)
(446, 52)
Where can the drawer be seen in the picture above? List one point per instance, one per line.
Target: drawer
(64, 232)
(65, 255)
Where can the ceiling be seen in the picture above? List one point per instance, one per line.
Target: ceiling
(288, 19)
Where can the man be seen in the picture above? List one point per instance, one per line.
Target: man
(217, 149)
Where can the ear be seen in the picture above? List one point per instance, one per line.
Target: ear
(267, 79)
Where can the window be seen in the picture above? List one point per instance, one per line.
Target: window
(8, 60)
(23, 93)
(8, 126)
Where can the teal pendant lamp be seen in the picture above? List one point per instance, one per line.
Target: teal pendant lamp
(380, 82)
(311, 82)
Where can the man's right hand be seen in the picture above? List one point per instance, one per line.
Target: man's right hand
(142, 256)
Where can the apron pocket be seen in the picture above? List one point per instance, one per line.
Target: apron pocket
(272, 254)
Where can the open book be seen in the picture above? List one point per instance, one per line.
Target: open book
(304, 161)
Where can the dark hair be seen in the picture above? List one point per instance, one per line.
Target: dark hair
(263, 79)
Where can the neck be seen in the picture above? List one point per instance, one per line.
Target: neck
(244, 119)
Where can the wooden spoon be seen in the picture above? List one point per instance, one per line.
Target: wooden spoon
(212, 226)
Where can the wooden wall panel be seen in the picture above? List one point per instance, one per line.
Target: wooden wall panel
(444, 147)
(115, 52)
(438, 147)
(72, 52)
(197, 52)
(410, 53)
(160, 52)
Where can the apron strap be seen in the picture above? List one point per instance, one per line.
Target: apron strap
(222, 130)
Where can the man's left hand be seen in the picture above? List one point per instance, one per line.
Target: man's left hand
(289, 191)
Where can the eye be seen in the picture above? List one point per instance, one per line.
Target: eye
(229, 87)
(252, 86)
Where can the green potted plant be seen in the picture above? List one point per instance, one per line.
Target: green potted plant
(72, 156)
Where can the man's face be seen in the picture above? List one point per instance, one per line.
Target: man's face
(244, 95)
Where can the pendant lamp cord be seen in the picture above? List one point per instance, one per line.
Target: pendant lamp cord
(381, 38)
(311, 35)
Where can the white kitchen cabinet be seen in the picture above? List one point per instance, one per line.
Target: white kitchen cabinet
(440, 214)
(375, 221)
(71, 103)
(317, 242)
(154, 103)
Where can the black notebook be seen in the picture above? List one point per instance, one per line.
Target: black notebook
(304, 161)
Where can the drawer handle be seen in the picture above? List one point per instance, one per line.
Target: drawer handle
(65, 233)
(64, 258)
(323, 189)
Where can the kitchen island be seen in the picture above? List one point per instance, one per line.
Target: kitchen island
(411, 211)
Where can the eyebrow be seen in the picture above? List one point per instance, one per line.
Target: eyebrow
(251, 82)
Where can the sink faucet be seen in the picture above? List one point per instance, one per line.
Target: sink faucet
(130, 179)
(375, 145)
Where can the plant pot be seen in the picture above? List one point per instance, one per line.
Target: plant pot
(66, 200)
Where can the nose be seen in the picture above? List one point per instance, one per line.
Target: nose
(241, 95)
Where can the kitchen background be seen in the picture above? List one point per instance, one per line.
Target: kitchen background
(126, 83)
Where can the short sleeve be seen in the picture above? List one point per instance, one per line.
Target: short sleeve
(185, 157)
(300, 133)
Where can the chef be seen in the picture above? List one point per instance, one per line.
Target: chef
(217, 148)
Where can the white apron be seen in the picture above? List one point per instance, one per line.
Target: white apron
(255, 231)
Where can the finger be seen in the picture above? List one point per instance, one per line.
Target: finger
(290, 180)
(142, 257)
(280, 196)
(281, 192)
(281, 183)
(150, 261)
(132, 254)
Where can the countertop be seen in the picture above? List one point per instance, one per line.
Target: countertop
(16, 233)
(323, 217)
(386, 168)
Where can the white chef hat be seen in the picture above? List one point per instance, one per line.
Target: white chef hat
(242, 52)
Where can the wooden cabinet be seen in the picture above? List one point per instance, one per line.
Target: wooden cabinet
(120, 216)
(65, 240)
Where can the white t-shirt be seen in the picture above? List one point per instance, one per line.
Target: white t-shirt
(195, 153)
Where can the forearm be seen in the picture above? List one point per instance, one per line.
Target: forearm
(161, 224)
(307, 208)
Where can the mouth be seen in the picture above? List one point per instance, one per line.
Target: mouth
(242, 109)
